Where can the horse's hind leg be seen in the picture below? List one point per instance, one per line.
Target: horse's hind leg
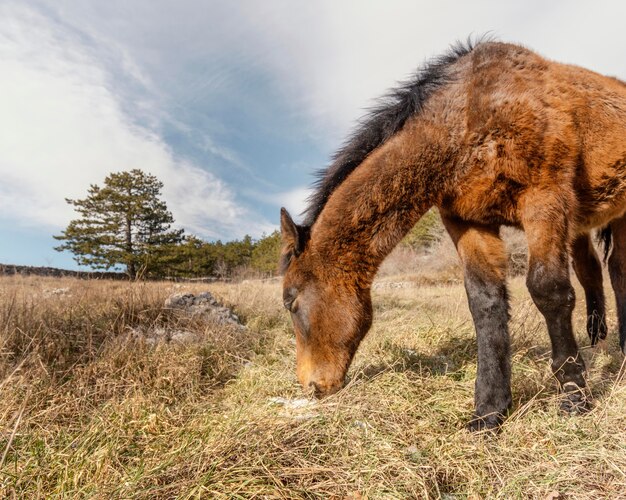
(484, 261)
(544, 218)
(589, 272)
(617, 271)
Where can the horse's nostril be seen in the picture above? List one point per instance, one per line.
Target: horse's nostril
(317, 392)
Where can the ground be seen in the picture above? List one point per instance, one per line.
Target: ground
(90, 409)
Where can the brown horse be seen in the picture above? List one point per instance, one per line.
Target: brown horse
(491, 134)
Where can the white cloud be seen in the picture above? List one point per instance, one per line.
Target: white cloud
(329, 59)
(332, 58)
(63, 127)
(294, 200)
(67, 120)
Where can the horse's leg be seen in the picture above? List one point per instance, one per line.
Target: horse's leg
(589, 272)
(484, 262)
(545, 222)
(617, 271)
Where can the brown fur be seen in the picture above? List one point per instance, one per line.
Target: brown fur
(511, 139)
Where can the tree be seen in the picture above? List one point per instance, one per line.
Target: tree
(123, 223)
(266, 253)
(191, 258)
(426, 232)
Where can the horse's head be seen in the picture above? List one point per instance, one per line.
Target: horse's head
(330, 313)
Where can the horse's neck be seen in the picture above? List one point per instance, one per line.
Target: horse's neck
(377, 205)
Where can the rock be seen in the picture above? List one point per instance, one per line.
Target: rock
(203, 304)
(183, 336)
(296, 409)
(360, 424)
(293, 404)
(59, 292)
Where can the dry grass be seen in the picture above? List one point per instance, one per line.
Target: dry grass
(87, 410)
(439, 263)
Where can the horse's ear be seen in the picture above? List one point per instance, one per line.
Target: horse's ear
(289, 231)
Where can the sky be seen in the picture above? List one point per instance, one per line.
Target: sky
(232, 105)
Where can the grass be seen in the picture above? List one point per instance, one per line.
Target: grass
(87, 409)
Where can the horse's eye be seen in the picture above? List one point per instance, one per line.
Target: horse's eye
(291, 305)
(289, 297)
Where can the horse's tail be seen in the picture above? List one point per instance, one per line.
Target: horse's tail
(605, 238)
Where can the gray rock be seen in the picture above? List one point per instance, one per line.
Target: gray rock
(203, 304)
(61, 292)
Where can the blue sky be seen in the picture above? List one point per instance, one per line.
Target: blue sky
(233, 105)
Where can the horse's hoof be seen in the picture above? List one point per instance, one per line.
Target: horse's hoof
(488, 423)
(574, 400)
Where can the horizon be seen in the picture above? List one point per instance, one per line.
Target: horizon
(233, 107)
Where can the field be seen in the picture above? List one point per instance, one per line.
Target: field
(90, 409)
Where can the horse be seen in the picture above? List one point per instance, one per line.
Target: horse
(491, 134)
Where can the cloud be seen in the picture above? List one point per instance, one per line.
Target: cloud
(92, 84)
(64, 125)
(295, 200)
(333, 58)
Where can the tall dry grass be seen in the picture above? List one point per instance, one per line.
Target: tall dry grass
(89, 409)
(439, 262)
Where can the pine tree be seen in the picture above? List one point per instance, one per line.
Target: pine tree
(191, 258)
(123, 223)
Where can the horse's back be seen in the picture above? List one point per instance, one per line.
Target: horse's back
(521, 123)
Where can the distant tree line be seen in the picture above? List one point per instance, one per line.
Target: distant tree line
(193, 257)
(125, 223)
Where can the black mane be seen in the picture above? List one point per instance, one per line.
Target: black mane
(382, 121)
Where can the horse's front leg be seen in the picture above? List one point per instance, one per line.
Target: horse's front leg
(545, 221)
(589, 272)
(484, 262)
